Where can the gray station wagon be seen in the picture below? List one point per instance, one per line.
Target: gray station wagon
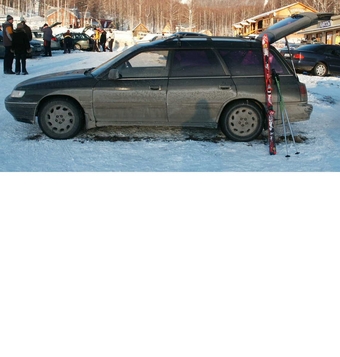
(183, 80)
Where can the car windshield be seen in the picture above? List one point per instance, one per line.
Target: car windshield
(37, 34)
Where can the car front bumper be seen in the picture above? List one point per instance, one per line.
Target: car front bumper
(21, 111)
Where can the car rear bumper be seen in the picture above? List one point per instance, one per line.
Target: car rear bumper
(24, 112)
(296, 113)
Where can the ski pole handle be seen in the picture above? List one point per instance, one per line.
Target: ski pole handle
(275, 75)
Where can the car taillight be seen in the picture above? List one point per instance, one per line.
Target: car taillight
(303, 92)
(54, 38)
(299, 56)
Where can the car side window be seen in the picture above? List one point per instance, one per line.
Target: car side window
(247, 62)
(195, 63)
(145, 65)
(277, 63)
(243, 62)
(333, 51)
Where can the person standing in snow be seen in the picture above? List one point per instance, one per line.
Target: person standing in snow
(103, 40)
(47, 37)
(96, 38)
(7, 39)
(20, 47)
(110, 38)
(67, 42)
(27, 29)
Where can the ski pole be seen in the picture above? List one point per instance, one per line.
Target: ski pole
(291, 131)
(290, 56)
(277, 81)
(286, 113)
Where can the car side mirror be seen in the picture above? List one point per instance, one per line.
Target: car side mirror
(114, 74)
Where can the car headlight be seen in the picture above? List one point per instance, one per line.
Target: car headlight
(17, 93)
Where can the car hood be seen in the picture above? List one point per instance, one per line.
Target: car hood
(59, 77)
(293, 24)
(36, 42)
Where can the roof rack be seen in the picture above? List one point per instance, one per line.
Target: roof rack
(179, 35)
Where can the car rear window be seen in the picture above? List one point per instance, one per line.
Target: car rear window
(196, 63)
(249, 62)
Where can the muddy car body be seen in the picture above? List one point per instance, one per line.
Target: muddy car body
(183, 80)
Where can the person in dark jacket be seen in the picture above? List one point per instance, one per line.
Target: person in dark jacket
(27, 29)
(7, 39)
(102, 40)
(47, 37)
(20, 47)
(67, 42)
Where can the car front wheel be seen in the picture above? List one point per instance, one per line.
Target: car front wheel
(61, 119)
(320, 69)
(242, 121)
(77, 46)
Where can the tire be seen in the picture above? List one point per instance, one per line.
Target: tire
(77, 46)
(242, 121)
(61, 119)
(320, 69)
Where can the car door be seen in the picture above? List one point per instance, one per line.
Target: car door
(198, 88)
(138, 96)
(333, 59)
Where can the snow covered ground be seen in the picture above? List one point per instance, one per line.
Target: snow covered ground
(120, 248)
(21, 152)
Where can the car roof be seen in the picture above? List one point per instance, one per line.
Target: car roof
(187, 40)
(315, 46)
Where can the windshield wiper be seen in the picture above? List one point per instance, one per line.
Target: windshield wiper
(89, 70)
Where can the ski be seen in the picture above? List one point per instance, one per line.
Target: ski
(269, 99)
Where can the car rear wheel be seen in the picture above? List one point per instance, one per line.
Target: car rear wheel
(77, 46)
(242, 121)
(61, 119)
(320, 69)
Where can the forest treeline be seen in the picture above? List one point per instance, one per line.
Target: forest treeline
(216, 16)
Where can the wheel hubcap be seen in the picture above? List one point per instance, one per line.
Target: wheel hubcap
(60, 119)
(243, 121)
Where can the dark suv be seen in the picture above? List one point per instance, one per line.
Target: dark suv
(183, 80)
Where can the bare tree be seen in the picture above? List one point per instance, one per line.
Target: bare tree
(214, 15)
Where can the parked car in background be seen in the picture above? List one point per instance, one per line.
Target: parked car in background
(183, 80)
(318, 59)
(290, 46)
(36, 48)
(80, 41)
(38, 36)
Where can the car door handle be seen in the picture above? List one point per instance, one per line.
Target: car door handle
(155, 87)
(224, 87)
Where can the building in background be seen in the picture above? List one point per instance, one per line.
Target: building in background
(256, 24)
